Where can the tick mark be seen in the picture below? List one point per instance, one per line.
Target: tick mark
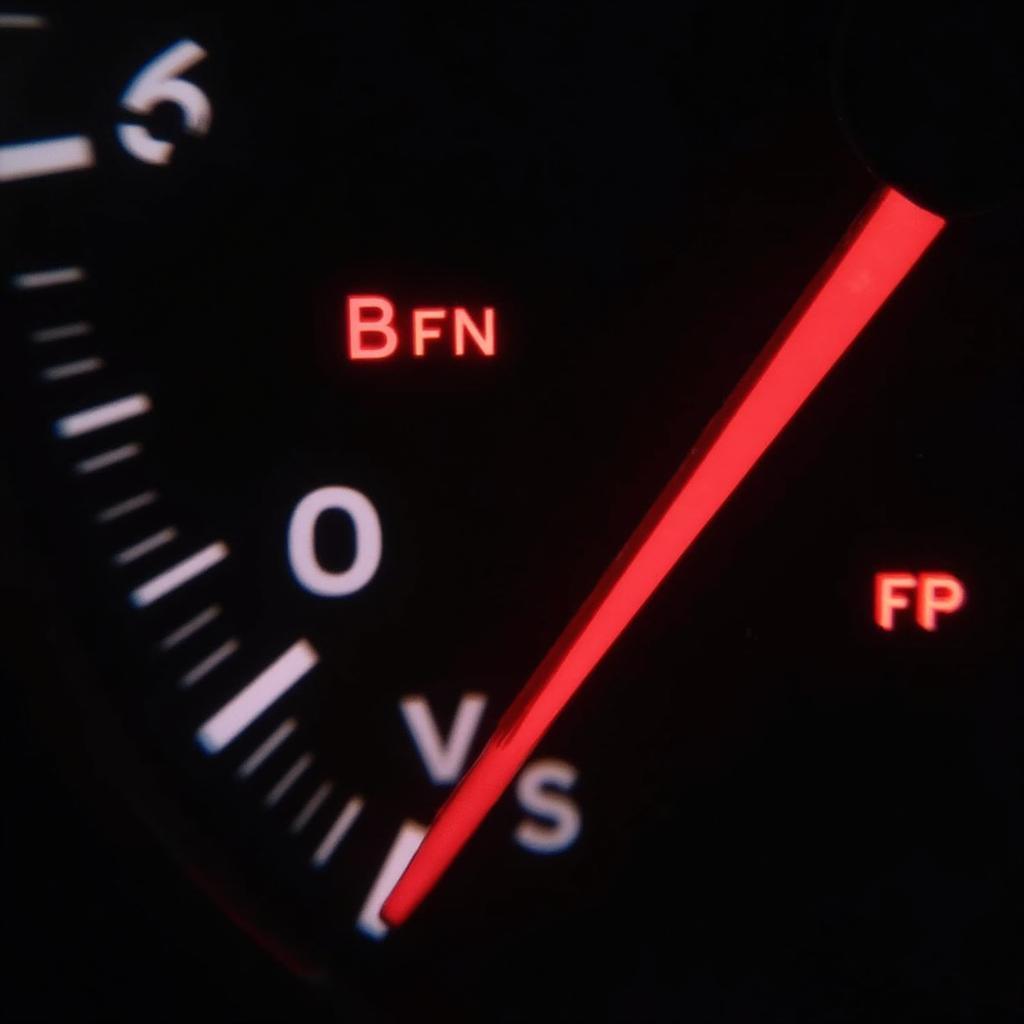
(19, 160)
(104, 460)
(62, 332)
(288, 780)
(47, 278)
(190, 628)
(76, 368)
(338, 830)
(266, 748)
(126, 507)
(266, 689)
(178, 575)
(23, 21)
(209, 663)
(101, 416)
(406, 843)
(310, 808)
(146, 546)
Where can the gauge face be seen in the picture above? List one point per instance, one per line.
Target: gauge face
(350, 355)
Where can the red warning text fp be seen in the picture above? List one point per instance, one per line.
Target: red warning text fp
(929, 594)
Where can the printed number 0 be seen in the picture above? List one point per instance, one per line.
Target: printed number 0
(302, 541)
(158, 83)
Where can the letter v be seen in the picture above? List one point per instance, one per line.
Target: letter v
(444, 759)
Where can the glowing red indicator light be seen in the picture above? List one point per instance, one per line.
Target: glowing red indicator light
(862, 273)
(424, 328)
(373, 334)
(891, 595)
(934, 594)
(939, 593)
(370, 334)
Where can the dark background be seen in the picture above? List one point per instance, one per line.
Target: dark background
(850, 847)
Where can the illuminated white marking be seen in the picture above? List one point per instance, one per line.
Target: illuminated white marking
(160, 82)
(543, 791)
(104, 460)
(288, 780)
(180, 574)
(47, 156)
(48, 278)
(406, 843)
(62, 371)
(100, 416)
(266, 748)
(126, 507)
(145, 547)
(302, 541)
(443, 758)
(267, 688)
(22, 21)
(330, 842)
(190, 628)
(209, 663)
(312, 805)
(78, 329)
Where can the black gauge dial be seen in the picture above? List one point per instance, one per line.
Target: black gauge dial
(361, 358)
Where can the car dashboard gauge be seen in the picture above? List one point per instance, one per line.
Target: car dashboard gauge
(524, 502)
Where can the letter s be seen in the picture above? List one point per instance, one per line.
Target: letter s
(540, 790)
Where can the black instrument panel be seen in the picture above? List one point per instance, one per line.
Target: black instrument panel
(347, 347)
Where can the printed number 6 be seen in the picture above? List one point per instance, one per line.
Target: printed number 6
(157, 83)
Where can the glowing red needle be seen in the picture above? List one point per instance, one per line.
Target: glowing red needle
(887, 240)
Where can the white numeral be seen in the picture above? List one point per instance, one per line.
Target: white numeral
(157, 83)
(302, 542)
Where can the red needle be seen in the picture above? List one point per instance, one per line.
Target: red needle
(883, 245)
